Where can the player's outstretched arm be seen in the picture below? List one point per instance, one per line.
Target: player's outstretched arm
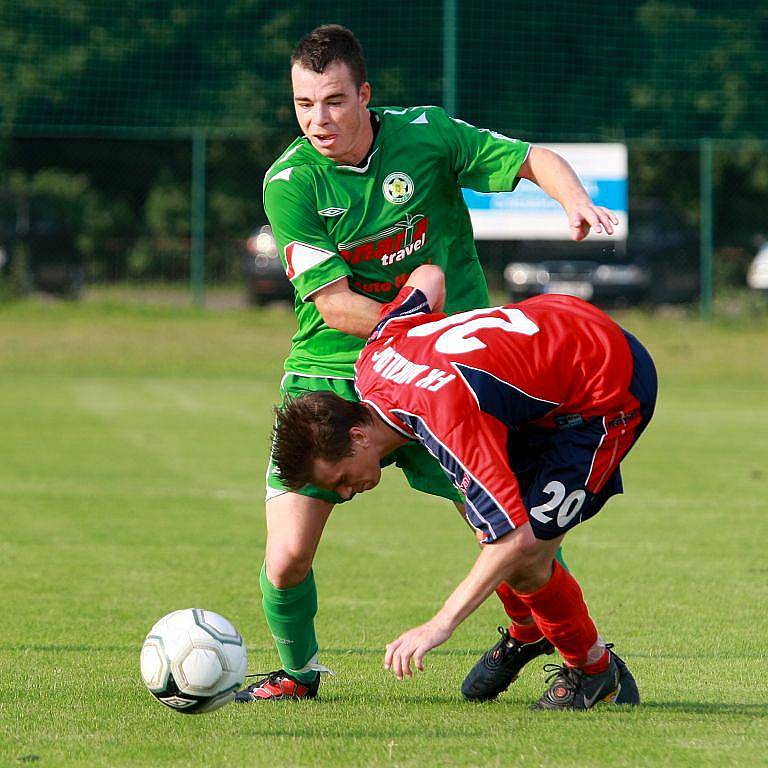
(347, 311)
(555, 176)
(430, 280)
(491, 568)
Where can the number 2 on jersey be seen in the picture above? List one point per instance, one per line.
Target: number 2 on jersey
(457, 337)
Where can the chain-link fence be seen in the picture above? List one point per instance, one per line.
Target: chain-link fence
(135, 139)
(121, 210)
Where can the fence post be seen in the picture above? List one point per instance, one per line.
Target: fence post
(449, 57)
(197, 224)
(705, 229)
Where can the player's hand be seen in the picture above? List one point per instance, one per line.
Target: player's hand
(413, 645)
(585, 216)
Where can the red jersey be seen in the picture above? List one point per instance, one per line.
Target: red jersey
(463, 384)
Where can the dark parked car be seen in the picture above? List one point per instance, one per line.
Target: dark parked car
(265, 278)
(32, 229)
(657, 263)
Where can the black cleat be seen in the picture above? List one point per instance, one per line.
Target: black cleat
(276, 686)
(501, 666)
(628, 693)
(571, 688)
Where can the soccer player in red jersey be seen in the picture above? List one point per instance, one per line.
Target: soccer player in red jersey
(529, 409)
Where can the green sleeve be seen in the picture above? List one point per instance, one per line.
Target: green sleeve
(483, 160)
(309, 257)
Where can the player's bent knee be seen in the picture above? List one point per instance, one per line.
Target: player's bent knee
(529, 574)
(532, 566)
(294, 527)
(288, 568)
(531, 579)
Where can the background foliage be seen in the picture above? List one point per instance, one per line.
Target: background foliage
(110, 95)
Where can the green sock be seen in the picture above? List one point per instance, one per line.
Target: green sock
(290, 615)
(559, 558)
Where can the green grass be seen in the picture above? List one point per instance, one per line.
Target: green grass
(132, 446)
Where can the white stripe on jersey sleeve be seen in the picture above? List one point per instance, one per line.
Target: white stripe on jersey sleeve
(308, 297)
(285, 175)
(300, 257)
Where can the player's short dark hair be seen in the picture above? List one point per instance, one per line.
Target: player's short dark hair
(313, 426)
(327, 44)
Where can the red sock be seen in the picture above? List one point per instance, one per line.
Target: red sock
(562, 615)
(523, 626)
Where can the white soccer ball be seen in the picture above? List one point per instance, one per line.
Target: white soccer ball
(193, 661)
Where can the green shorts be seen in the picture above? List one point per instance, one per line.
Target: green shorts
(421, 469)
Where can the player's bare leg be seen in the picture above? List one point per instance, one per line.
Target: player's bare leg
(295, 524)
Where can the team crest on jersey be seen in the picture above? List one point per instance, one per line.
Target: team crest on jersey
(398, 188)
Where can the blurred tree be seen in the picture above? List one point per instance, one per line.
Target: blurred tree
(702, 70)
(88, 66)
(93, 73)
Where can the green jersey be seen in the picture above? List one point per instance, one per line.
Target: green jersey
(375, 223)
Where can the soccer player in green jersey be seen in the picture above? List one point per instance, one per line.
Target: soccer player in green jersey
(356, 203)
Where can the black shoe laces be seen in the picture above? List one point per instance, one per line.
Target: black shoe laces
(267, 677)
(570, 675)
(493, 654)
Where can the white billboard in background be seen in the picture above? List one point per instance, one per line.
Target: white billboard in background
(529, 214)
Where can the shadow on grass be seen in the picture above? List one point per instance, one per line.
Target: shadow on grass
(519, 705)
(708, 708)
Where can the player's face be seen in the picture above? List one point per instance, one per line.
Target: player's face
(332, 112)
(353, 474)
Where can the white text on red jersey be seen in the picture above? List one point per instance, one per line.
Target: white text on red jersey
(391, 365)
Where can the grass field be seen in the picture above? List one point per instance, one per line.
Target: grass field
(132, 445)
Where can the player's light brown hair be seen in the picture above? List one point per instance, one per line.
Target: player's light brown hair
(313, 426)
(327, 44)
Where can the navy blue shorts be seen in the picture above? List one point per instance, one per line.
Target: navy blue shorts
(567, 475)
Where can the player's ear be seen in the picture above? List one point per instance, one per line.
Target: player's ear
(364, 94)
(359, 437)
